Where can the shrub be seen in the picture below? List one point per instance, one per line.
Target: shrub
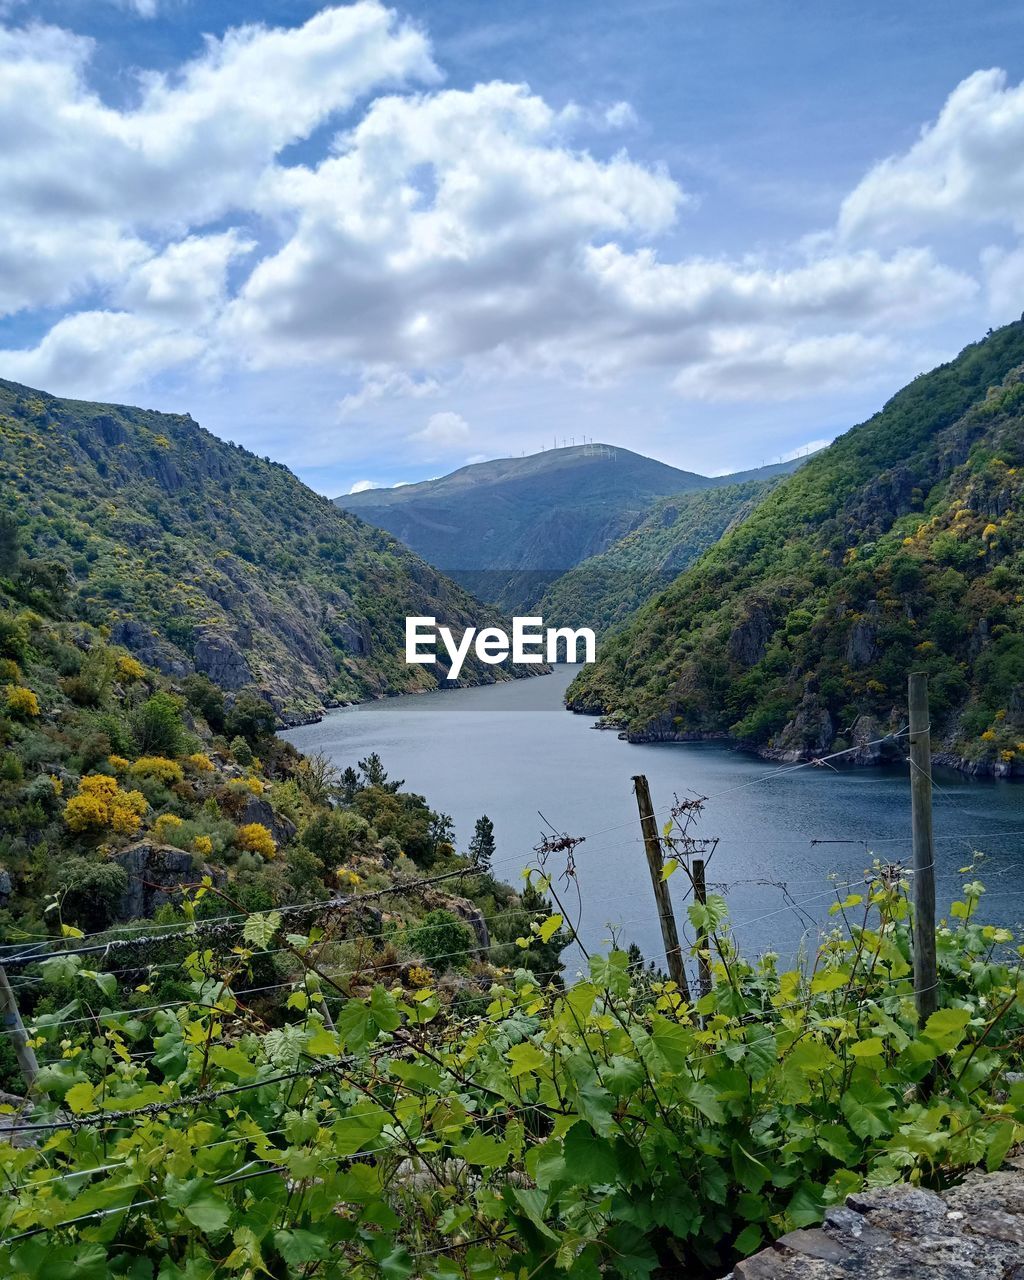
(203, 846)
(165, 826)
(159, 769)
(242, 752)
(199, 762)
(91, 892)
(101, 805)
(442, 940)
(129, 668)
(335, 835)
(253, 837)
(21, 703)
(157, 726)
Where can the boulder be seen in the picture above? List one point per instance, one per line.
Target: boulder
(156, 873)
(749, 640)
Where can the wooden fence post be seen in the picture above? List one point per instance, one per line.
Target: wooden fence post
(16, 1029)
(926, 993)
(700, 893)
(652, 847)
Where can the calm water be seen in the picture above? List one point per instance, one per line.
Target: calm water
(511, 750)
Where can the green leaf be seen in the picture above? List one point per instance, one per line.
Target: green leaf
(750, 1171)
(260, 928)
(1000, 1143)
(749, 1239)
(80, 1098)
(525, 1057)
(670, 868)
(549, 927)
(484, 1150)
(702, 1096)
(867, 1107)
(946, 1028)
(589, 1160)
(673, 1042)
(299, 1247)
(828, 980)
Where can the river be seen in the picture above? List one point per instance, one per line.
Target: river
(511, 751)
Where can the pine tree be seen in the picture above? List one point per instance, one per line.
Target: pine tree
(481, 847)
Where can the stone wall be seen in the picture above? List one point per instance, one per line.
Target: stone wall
(973, 1232)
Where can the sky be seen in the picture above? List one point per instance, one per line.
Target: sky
(378, 242)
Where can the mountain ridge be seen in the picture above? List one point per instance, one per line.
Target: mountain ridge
(507, 528)
(898, 547)
(202, 556)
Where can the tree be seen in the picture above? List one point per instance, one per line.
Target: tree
(481, 847)
(374, 774)
(250, 717)
(205, 699)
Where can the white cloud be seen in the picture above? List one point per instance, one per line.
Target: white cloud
(620, 115)
(802, 450)
(443, 429)
(84, 185)
(442, 232)
(755, 365)
(112, 349)
(387, 384)
(966, 166)
(361, 486)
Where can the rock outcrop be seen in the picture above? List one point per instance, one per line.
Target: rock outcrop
(156, 873)
(973, 1232)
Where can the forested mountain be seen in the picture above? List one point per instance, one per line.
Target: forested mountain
(199, 555)
(606, 589)
(899, 547)
(508, 528)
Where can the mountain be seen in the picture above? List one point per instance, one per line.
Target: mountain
(506, 529)
(604, 590)
(199, 555)
(900, 547)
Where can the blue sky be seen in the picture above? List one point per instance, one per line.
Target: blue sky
(376, 242)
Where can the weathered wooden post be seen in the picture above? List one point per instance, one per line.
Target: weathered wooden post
(700, 893)
(15, 1028)
(652, 847)
(926, 975)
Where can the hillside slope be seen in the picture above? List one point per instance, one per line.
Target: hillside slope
(200, 555)
(899, 547)
(602, 591)
(507, 528)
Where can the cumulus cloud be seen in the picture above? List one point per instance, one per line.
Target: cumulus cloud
(361, 486)
(967, 165)
(439, 231)
(443, 429)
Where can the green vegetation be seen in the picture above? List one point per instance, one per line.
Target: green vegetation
(116, 789)
(608, 588)
(607, 1130)
(899, 547)
(196, 554)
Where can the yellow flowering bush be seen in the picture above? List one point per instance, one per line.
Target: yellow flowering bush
(9, 670)
(254, 837)
(202, 845)
(129, 668)
(200, 762)
(345, 876)
(20, 702)
(419, 976)
(165, 826)
(159, 769)
(101, 805)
